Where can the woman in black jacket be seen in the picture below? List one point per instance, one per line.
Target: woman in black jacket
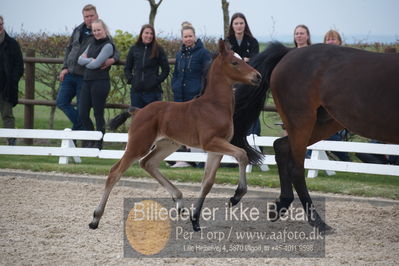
(243, 43)
(142, 68)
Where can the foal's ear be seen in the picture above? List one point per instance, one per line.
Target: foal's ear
(223, 46)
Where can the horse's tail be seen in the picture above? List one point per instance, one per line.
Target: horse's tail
(118, 120)
(249, 100)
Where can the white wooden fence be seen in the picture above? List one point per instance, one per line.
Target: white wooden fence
(66, 150)
(318, 160)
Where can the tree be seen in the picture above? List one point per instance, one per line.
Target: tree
(226, 17)
(153, 12)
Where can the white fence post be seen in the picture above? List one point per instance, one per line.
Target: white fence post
(318, 155)
(68, 143)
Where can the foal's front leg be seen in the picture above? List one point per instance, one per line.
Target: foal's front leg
(222, 146)
(211, 166)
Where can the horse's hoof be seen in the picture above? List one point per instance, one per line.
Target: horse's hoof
(321, 226)
(233, 201)
(325, 229)
(276, 210)
(273, 217)
(93, 225)
(328, 230)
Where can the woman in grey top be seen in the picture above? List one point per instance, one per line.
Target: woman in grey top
(96, 83)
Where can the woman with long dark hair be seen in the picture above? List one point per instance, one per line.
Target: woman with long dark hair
(240, 37)
(143, 62)
(243, 43)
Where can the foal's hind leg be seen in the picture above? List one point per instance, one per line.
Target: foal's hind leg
(151, 162)
(113, 177)
(212, 164)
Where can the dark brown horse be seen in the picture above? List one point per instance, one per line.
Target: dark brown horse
(205, 122)
(319, 90)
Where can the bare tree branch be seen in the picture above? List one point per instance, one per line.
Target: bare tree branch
(225, 8)
(153, 12)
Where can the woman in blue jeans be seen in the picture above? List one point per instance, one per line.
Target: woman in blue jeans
(143, 62)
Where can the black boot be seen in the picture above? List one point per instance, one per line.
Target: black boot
(98, 144)
(12, 141)
(88, 143)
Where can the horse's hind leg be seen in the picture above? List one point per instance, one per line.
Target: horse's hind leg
(212, 164)
(151, 162)
(113, 177)
(320, 131)
(284, 163)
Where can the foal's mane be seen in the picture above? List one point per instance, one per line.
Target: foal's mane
(205, 74)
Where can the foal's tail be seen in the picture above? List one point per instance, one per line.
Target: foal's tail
(249, 100)
(118, 120)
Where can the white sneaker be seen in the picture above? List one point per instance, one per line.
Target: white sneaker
(180, 165)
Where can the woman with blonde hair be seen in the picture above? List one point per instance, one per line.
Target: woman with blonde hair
(188, 78)
(333, 37)
(96, 83)
(191, 62)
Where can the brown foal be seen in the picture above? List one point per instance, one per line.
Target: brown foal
(204, 122)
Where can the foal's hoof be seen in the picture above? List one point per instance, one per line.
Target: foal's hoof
(196, 226)
(93, 225)
(233, 201)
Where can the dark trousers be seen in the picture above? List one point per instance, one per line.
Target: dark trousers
(141, 99)
(6, 113)
(93, 94)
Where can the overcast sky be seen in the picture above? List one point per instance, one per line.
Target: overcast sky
(356, 20)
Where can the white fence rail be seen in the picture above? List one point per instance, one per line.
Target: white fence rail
(318, 160)
(65, 151)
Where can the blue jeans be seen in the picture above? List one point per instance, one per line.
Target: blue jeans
(255, 128)
(141, 99)
(70, 88)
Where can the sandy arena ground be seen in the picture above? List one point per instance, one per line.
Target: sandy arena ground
(45, 221)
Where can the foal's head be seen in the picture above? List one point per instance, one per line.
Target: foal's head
(236, 69)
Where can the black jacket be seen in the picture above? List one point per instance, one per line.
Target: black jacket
(81, 37)
(93, 51)
(142, 72)
(12, 69)
(249, 46)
